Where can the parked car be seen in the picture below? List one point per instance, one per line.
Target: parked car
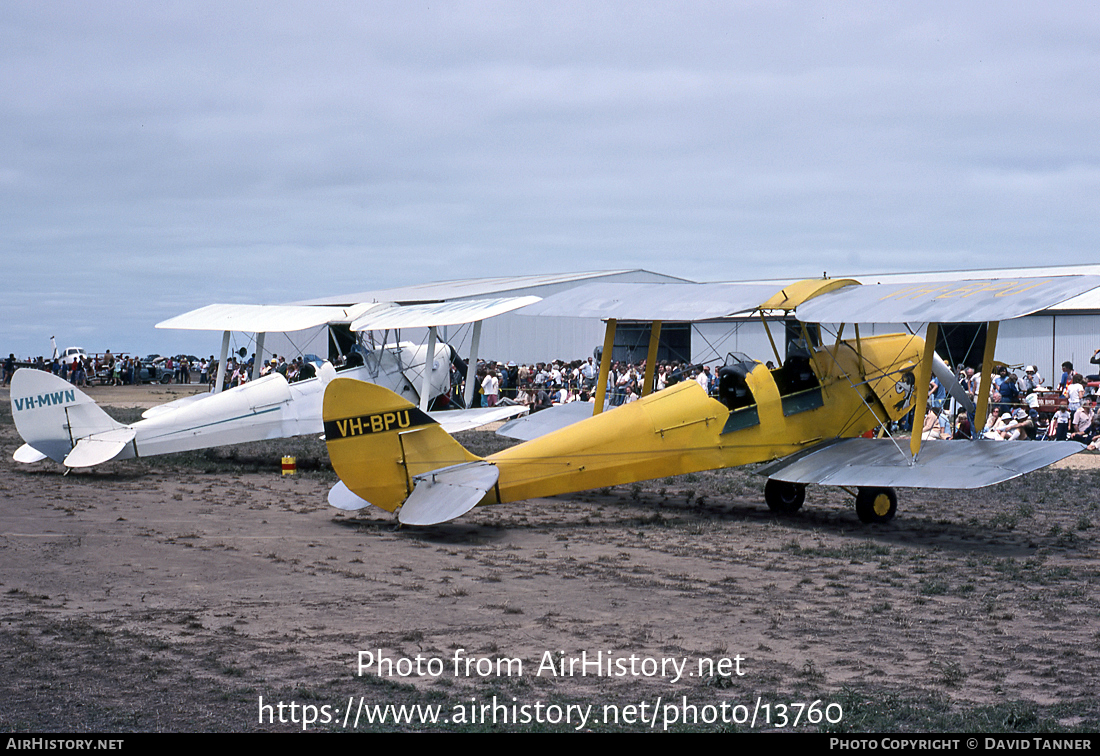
(153, 370)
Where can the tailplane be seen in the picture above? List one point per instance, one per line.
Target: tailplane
(53, 416)
(379, 443)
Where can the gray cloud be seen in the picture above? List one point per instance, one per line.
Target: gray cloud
(155, 159)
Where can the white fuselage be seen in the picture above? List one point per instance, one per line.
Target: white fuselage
(272, 408)
(61, 422)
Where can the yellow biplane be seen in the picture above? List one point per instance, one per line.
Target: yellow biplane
(808, 418)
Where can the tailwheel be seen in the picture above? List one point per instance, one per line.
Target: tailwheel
(783, 497)
(876, 504)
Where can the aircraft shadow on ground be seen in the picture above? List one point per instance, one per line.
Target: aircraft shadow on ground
(492, 524)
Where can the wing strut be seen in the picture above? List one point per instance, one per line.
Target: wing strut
(767, 330)
(924, 376)
(859, 353)
(839, 337)
(982, 411)
(429, 360)
(651, 358)
(259, 359)
(221, 363)
(471, 366)
(605, 365)
(813, 352)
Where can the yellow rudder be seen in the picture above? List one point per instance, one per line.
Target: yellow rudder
(377, 441)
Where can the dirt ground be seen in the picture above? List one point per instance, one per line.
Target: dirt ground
(173, 594)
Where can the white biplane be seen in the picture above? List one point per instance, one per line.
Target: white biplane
(62, 423)
(808, 418)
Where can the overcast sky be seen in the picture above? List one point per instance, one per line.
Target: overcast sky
(156, 157)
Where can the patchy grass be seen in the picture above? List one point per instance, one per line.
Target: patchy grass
(972, 611)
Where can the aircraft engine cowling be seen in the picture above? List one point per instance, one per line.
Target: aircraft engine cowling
(895, 383)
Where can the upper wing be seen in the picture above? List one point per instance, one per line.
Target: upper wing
(255, 318)
(964, 301)
(363, 317)
(820, 301)
(654, 301)
(439, 313)
(973, 301)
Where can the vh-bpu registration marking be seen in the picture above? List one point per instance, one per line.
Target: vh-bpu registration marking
(44, 400)
(380, 422)
(967, 289)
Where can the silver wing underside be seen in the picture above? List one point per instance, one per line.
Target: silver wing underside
(940, 464)
(546, 421)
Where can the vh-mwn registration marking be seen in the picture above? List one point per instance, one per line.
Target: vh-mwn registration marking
(44, 400)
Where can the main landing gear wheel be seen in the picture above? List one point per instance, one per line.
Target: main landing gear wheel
(876, 504)
(783, 497)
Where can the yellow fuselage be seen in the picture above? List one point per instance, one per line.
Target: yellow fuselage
(681, 429)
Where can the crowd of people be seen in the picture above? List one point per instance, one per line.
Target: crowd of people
(544, 384)
(121, 370)
(85, 370)
(1021, 406)
(239, 372)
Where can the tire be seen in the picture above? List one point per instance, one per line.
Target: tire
(783, 497)
(876, 504)
(166, 378)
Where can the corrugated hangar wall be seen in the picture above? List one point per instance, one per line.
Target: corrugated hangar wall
(1048, 340)
(524, 339)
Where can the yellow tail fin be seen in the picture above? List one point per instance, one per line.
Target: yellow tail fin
(378, 441)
